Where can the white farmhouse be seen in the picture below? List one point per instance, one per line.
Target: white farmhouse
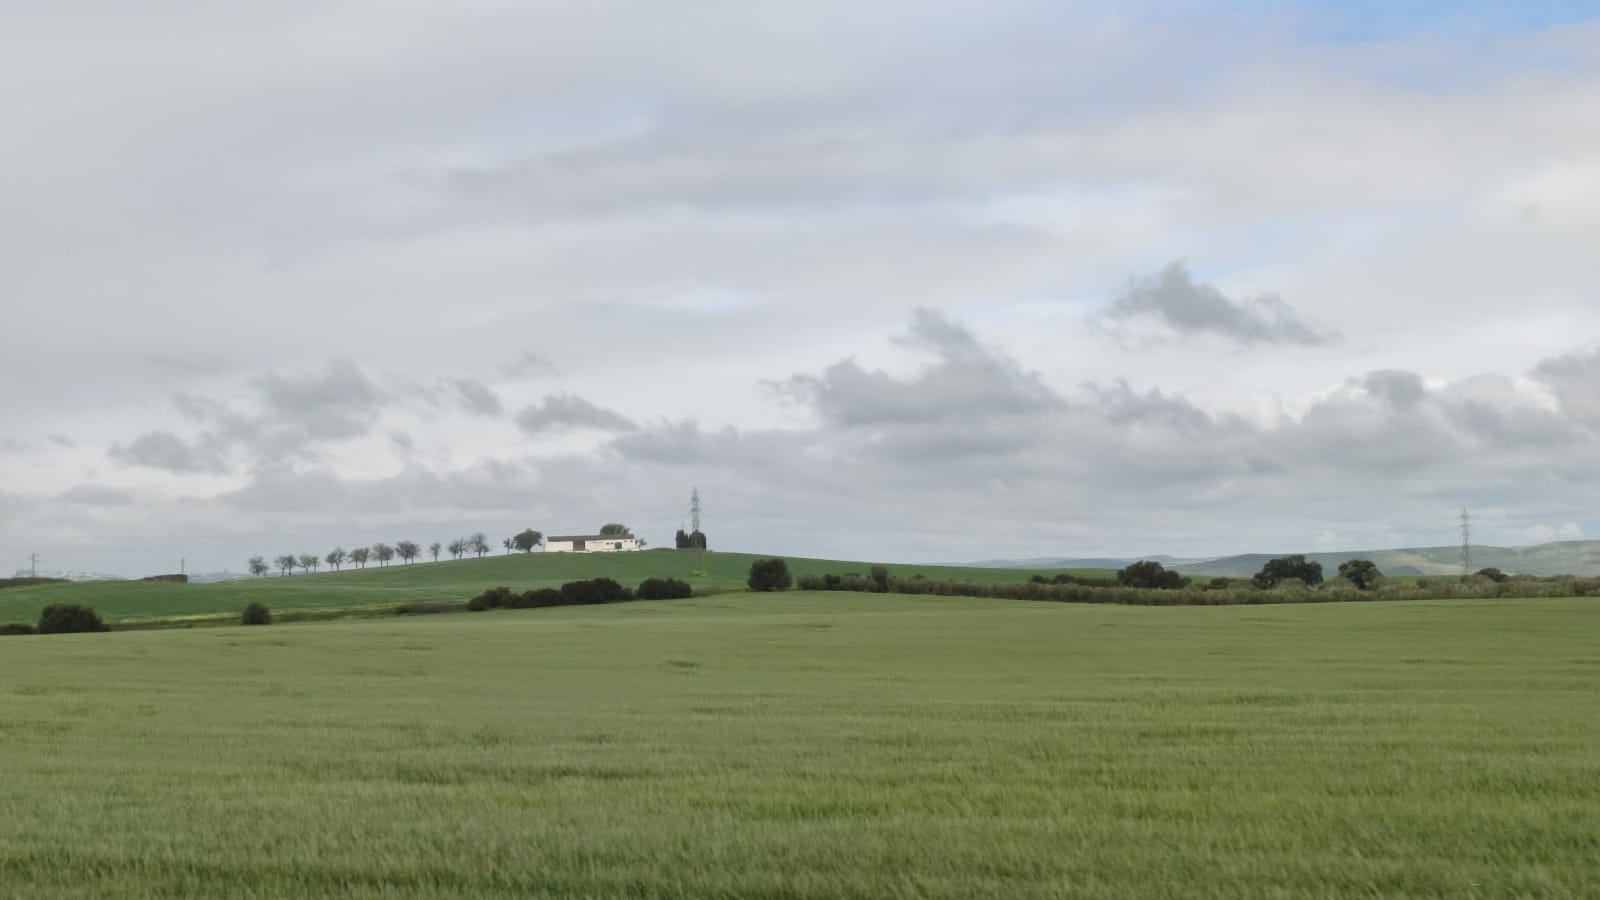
(590, 543)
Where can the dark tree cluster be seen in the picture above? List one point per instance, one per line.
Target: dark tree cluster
(691, 541)
(588, 592)
(1363, 573)
(1150, 575)
(1288, 568)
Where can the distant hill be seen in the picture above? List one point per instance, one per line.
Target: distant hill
(1581, 558)
(1093, 562)
(69, 576)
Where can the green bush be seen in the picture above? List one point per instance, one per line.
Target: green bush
(18, 628)
(537, 599)
(769, 575)
(256, 614)
(663, 589)
(493, 598)
(69, 618)
(594, 591)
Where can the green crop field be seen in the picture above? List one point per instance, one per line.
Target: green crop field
(123, 601)
(815, 746)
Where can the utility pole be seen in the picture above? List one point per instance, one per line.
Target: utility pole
(33, 566)
(1466, 543)
(695, 537)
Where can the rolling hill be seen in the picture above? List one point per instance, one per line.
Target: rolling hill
(1581, 558)
(451, 580)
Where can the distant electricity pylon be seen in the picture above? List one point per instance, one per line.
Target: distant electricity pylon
(696, 539)
(33, 565)
(1466, 543)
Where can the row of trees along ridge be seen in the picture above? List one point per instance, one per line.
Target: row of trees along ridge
(383, 554)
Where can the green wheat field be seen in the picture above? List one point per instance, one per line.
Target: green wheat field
(815, 746)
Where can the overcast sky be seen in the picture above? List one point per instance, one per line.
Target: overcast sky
(928, 281)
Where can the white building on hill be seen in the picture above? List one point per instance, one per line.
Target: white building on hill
(590, 543)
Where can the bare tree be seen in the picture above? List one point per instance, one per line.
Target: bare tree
(383, 552)
(308, 561)
(285, 564)
(336, 558)
(479, 543)
(434, 548)
(458, 547)
(258, 566)
(408, 550)
(360, 555)
(510, 544)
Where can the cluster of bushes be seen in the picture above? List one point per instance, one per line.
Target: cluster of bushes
(256, 614)
(1290, 579)
(580, 593)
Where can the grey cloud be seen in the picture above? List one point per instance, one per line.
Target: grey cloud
(476, 397)
(1401, 390)
(96, 495)
(531, 365)
(1574, 380)
(1176, 301)
(61, 440)
(402, 441)
(966, 381)
(166, 451)
(569, 411)
(336, 403)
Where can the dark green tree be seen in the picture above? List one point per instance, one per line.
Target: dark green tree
(527, 540)
(1284, 568)
(1363, 573)
(613, 529)
(1493, 574)
(1149, 574)
(769, 575)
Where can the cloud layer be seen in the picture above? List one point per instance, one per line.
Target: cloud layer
(896, 276)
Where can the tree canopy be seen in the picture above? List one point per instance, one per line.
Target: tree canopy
(1286, 568)
(1363, 573)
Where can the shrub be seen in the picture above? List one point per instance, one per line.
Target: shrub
(256, 614)
(537, 599)
(664, 589)
(769, 575)
(1493, 574)
(69, 618)
(593, 591)
(1363, 573)
(493, 598)
(18, 628)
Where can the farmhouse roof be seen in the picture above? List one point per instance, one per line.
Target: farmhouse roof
(589, 537)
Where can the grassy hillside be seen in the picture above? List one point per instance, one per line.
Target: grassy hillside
(807, 746)
(1581, 558)
(448, 580)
